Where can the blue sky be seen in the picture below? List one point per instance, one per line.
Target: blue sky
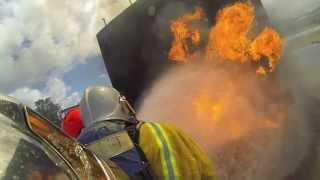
(93, 72)
(49, 48)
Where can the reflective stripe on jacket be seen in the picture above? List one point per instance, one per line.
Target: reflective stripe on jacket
(172, 154)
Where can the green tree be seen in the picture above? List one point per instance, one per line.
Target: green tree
(47, 108)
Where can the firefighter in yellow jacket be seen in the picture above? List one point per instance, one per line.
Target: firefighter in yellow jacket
(143, 150)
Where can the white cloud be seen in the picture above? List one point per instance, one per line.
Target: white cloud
(61, 93)
(55, 88)
(27, 96)
(58, 33)
(71, 100)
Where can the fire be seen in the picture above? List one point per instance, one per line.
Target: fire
(183, 35)
(267, 44)
(261, 71)
(230, 40)
(218, 107)
(236, 107)
(229, 37)
(206, 106)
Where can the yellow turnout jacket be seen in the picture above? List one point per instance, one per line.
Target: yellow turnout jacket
(172, 154)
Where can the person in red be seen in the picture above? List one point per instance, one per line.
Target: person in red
(72, 122)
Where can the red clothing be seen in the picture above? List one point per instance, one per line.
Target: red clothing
(72, 122)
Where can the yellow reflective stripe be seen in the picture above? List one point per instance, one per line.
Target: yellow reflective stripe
(168, 161)
(162, 158)
(172, 156)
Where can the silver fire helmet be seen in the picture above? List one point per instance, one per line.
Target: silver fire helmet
(103, 103)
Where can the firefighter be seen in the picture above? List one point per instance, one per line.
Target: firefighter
(146, 150)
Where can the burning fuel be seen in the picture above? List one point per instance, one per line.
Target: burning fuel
(267, 44)
(180, 50)
(229, 39)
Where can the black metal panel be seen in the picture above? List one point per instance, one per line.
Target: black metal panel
(135, 44)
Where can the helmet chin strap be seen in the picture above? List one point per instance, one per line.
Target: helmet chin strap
(132, 113)
(123, 101)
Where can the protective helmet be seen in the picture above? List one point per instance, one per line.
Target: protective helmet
(103, 103)
(72, 122)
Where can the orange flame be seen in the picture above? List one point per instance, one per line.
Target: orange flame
(206, 106)
(183, 34)
(226, 107)
(269, 44)
(218, 108)
(228, 38)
